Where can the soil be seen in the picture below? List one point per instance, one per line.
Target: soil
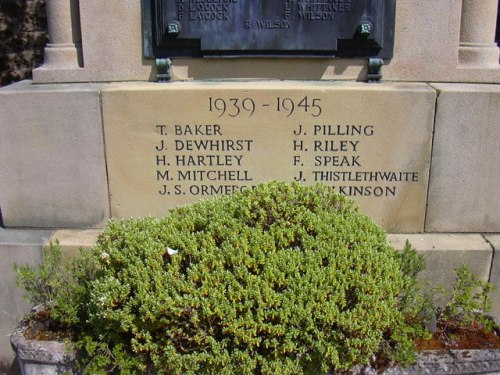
(40, 326)
(449, 335)
(452, 336)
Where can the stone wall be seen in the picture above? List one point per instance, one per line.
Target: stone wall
(74, 155)
(23, 34)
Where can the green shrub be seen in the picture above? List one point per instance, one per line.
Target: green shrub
(43, 284)
(59, 289)
(469, 301)
(278, 279)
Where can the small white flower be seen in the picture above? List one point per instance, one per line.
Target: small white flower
(104, 256)
(171, 251)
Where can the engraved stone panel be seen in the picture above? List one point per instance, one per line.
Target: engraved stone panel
(169, 145)
(360, 28)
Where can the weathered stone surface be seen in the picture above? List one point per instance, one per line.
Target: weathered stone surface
(426, 48)
(444, 253)
(42, 357)
(20, 247)
(427, 43)
(254, 132)
(465, 173)
(477, 46)
(111, 35)
(440, 362)
(52, 166)
(71, 241)
(459, 362)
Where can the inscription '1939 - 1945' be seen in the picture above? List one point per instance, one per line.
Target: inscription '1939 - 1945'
(193, 159)
(234, 107)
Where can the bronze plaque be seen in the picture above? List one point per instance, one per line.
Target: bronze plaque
(233, 28)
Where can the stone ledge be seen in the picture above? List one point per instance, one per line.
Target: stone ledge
(458, 362)
(72, 241)
(445, 252)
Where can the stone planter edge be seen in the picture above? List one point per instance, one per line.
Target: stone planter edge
(37, 357)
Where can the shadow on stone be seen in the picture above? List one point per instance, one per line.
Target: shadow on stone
(9, 368)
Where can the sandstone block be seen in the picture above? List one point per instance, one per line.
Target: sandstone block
(465, 173)
(52, 164)
(72, 240)
(169, 145)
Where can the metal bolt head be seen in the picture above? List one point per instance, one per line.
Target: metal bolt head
(173, 28)
(365, 28)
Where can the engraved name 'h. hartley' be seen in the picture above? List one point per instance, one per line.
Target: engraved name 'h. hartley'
(208, 160)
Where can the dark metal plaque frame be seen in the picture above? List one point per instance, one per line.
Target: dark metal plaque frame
(294, 28)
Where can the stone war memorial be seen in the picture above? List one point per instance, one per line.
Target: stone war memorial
(145, 105)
